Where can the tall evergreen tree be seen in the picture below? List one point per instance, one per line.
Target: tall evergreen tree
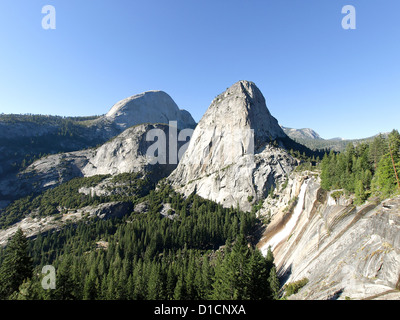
(274, 283)
(360, 193)
(377, 148)
(17, 265)
(180, 290)
(384, 181)
(65, 284)
(154, 283)
(92, 285)
(232, 273)
(259, 273)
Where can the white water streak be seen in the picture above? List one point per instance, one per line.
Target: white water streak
(289, 226)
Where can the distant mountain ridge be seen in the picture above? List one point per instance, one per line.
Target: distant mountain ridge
(304, 133)
(311, 139)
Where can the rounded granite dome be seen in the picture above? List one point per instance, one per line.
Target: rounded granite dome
(148, 107)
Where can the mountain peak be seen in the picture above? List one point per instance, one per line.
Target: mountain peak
(246, 87)
(220, 162)
(242, 89)
(148, 107)
(243, 106)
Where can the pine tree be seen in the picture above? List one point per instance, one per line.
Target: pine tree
(259, 274)
(180, 292)
(92, 285)
(360, 193)
(325, 176)
(154, 283)
(65, 284)
(377, 148)
(384, 181)
(140, 290)
(17, 265)
(121, 285)
(232, 273)
(190, 274)
(103, 288)
(206, 276)
(130, 288)
(222, 285)
(170, 283)
(270, 259)
(394, 150)
(394, 142)
(28, 290)
(274, 283)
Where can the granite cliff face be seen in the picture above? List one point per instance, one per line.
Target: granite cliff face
(124, 153)
(344, 251)
(230, 158)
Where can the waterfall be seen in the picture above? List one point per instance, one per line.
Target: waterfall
(289, 226)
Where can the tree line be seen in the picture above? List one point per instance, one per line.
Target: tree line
(369, 169)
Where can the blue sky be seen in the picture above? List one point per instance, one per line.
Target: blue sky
(312, 72)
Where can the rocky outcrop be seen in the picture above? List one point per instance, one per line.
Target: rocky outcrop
(345, 251)
(32, 226)
(124, 153)
(230, 158)
(128, 153)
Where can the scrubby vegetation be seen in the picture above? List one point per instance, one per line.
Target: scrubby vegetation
(294, 287)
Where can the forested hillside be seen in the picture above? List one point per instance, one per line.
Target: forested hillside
(369, 169)
(199, 250)
(123, 187)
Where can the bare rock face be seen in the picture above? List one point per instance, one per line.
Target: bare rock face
(128, 153)
(148, 107)
(344, 251)
(125, 153)
(229, 158)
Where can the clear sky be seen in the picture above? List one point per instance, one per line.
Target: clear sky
(312, 72)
